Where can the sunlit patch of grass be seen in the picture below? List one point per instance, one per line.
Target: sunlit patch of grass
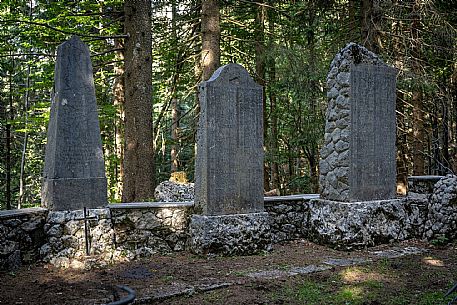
(359, 275)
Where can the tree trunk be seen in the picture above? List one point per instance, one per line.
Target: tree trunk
(260, 78)
(453, 117)
(274, 119)
(370, 13)
(138, 150)
(417, 97)
(119, 102)
(26, 135)
(174, 134)
(274, 133)
(174, 100)
(313, 88)
(402, 149)
(9, 117)
(211, 36)
(24, 145)
(352, 20)
(401, 140)
(445, 139)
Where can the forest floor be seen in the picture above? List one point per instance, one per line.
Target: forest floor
(297, 272)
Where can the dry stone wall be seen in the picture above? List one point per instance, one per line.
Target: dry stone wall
(171, 191)
(121, 232)
(124, 232)
(442, 211)
(142, 230)
(288, 219)
(66, 243)
(21, 235)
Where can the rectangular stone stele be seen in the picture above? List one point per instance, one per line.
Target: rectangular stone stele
(372, 170)
(229, 163)
(74, 171)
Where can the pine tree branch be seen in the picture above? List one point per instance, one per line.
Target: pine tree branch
(61, 31)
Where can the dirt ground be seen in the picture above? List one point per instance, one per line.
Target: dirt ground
(183, 278)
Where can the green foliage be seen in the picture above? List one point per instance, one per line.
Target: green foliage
(31, 35)
(440, 240)
(295, 42)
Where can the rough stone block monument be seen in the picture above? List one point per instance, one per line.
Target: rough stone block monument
(74, 172)
(358, 156)
(357, 167)
(229, 167)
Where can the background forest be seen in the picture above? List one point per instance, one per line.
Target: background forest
(287, 46)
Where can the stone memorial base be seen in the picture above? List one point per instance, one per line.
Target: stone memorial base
(236, 234)
(74, 193)
(352, 225)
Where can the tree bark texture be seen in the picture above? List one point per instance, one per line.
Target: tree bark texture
(417, 96)
(402, 149)
(273, 139)
(260, 78)
(313, 155)
(119, 102)
(174, 100)
(370, 14)
(211, 36)
(174, 134)
(138, 181)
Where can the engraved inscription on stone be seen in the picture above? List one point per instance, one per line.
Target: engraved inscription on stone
(372, 173)
(229, 164)
(74, 172)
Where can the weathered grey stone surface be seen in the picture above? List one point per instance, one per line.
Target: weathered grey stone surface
(74, 173)
(143, 232)
(170, 191)
(21, 235)
(288, 219)
(65, 239)
(278, 273)
(358, 156)
(117, 233)
(345, 262)
(229, 164)
(372, 171)
(399, 252)
(238, 234)
(129, 231)
(362, 224)
(442, 211)
(422, 184)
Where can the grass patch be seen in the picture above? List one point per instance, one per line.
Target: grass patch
(379, 283)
